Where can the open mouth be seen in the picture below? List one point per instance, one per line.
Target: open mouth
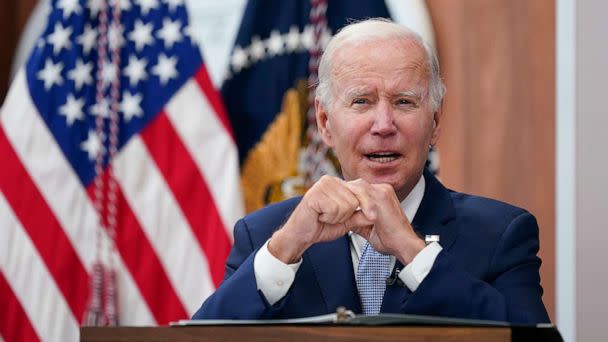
(383, 157)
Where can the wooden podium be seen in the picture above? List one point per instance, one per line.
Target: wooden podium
(323, 332)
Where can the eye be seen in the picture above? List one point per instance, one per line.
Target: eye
(406, 103)
(360, 101)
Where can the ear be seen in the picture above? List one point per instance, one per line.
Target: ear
(323, 125)
(437, 124)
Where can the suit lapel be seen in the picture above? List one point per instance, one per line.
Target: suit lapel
(333, 268)
(435, 212)
(395, 294)
(433, 216)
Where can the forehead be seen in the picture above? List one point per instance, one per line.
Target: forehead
(392, 62)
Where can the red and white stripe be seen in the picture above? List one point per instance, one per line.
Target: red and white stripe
(178, 197)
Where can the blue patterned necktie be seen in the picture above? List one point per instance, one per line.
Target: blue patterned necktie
(371, 279)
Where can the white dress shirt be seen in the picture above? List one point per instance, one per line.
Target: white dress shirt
(274, 278)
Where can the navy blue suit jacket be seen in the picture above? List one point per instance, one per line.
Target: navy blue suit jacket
(488, 268)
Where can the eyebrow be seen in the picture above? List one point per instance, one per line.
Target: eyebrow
(362, 91)
(409, 93)
(357, 92)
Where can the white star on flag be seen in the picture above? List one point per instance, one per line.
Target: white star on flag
(147, 5)
(60, 38)
(51, 74)
(141, 35)
(92, 146)
(109, 72)
(275, 43)
(191, 33)
(69, 7)
(173, 4)
(102, 108)
(94, 7)
(130, 105)
(170, 32)
(87, 39)
(115, 36)
(239, 58)
(257, 50)
(292, 39)
(136, 70)
(308, 38)
(165, 68)
(72, 109)
(81, 74)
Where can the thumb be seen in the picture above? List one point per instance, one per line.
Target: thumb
(359, 224)
(358, 219)
(365, 231)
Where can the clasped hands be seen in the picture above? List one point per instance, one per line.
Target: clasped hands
(332, 207)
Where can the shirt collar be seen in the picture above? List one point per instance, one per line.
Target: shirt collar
(411, 203)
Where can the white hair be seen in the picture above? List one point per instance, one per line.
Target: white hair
(376, 29)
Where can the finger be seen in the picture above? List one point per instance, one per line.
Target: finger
(334, 209)
(362, 190)
(337, 229)
(329, 209)
(321, 201)
(357, 220)
(347, 198)
(384, 191)
(385, 197)
(340, 203)
(365, 231)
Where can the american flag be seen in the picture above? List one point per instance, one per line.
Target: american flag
(176, 170)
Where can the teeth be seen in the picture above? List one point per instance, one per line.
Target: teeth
(382, 158)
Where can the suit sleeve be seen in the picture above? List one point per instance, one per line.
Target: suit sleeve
(237, 296)
(510, 292)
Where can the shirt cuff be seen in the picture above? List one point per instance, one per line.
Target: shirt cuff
(273, 277)
(414, 273)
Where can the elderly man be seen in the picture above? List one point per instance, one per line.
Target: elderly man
(378, 107)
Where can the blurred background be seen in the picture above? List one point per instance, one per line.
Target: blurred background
(524, 114)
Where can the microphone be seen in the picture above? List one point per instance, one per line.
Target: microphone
(394, 278)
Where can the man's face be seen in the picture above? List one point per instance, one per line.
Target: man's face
(380, 121)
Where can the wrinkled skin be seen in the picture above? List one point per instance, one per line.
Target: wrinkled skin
(380, 124)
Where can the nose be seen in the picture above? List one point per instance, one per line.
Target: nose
(384, 120)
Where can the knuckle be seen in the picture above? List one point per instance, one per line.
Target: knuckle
(322, 183)
(357, 181)
(362, 184)
(332, 207)
(386, 189)
(326, 179)
(353, 202)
